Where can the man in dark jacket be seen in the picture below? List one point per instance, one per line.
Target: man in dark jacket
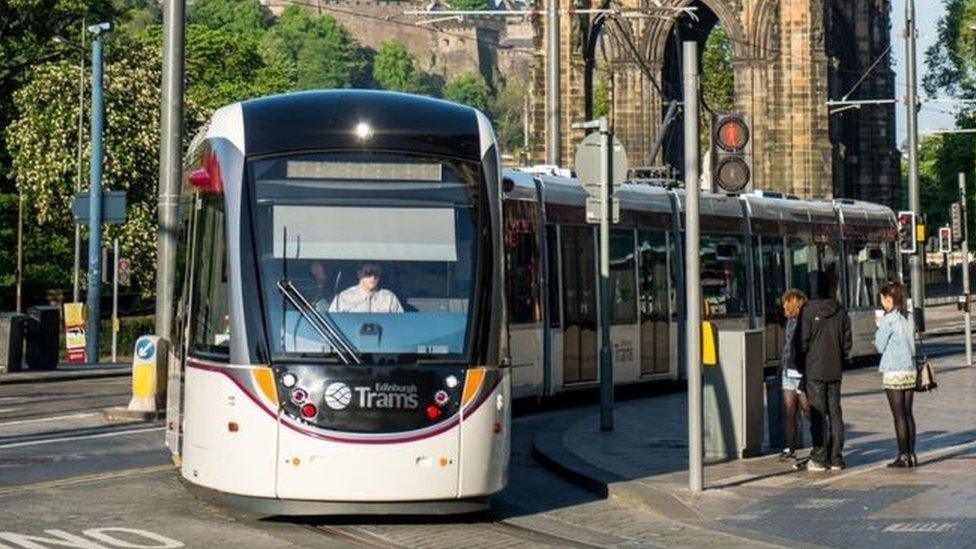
(824, 345)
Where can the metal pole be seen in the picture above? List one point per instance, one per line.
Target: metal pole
(20, 250)
(553, 133)
(95, 196)
(692, 268)
(170, 163)
(606, 349)
(115, 300)
(914, 200)
(965, 268)
(76, 273)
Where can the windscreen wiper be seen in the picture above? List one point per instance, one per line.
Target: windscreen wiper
(323, 325)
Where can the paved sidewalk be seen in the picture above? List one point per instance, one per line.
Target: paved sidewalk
(67, 372)
(644, 463)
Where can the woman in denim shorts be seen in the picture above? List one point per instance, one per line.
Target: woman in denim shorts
(793, 398)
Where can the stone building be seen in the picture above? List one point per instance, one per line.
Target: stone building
(444, 49)
(789, 58)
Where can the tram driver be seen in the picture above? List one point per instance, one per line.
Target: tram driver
(366, 296)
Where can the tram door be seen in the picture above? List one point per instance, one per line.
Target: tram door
(579, 304)
(773, 273)
(656, 289)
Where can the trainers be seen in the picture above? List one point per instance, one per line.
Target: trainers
(837, 465)
(815, 466)
(787, 455)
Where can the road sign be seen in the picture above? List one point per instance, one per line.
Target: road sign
(955, 215)
(113, 207)
(589, 162)
(125, 271)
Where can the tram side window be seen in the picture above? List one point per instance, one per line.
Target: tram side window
(809, 257)
(655, 278)
(623, 277)
(522, 259)
(866, 273)
(182, 271)
(723, 275)
(210, 322)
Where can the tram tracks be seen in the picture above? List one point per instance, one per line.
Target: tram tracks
(489, 534)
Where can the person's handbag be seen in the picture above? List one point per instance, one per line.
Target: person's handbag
(924, 378)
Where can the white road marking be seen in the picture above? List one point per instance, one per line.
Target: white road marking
(2, 410)
(49, 418)
(920, 527)
(82, 437)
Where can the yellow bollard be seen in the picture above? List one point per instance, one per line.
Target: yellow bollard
(148, 385)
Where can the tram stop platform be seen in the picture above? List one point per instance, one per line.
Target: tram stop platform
(643, 462)
(68, 372)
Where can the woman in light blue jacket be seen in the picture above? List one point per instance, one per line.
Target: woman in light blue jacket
(895, 340)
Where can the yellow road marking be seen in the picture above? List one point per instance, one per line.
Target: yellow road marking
(82, 479)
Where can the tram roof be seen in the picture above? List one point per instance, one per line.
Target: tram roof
(327, 119)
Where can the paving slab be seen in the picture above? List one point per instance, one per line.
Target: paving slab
(643, 463)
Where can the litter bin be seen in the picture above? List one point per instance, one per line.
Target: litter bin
(12, 327)
(775, 419)
(42, 337)
(733, 397)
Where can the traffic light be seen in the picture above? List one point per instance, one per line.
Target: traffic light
(955, 215)
(731, 153)
(945, 240)
(907, 232)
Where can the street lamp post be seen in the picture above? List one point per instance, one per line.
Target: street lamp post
(914, 199)
(95, 194)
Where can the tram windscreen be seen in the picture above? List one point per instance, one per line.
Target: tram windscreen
(381, 248)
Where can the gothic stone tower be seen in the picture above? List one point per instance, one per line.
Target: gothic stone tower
(789, 57)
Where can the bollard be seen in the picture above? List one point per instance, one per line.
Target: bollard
(148, 373)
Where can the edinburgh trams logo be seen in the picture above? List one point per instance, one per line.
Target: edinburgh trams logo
(380, 395)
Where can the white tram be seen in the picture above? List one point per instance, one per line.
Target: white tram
(339, 343)
(753, 248)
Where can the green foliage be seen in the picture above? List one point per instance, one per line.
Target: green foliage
(315, 51)
(395, 69)
(468, 89)
(244, 18)
(601, 95)
(941, 160)
(508, 114)
(221, 68)
(717, 78)
(469, 4)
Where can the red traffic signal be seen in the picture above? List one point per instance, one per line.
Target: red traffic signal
(732, 134)
(906, 232)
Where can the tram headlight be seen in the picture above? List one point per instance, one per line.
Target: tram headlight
(451, 382)
(364, 131)
(299, 396)
(289, 380)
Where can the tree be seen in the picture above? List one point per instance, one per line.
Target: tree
(470, 4)
(394, 68)
(315, 50)
(26, 29)
(601, 95)
(245, 18)
(222, 68)
(468, 89)
(508, 110)
(718, 79)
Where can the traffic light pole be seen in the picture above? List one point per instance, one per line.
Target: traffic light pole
(914, 200)
(965, 268)
(693, 308)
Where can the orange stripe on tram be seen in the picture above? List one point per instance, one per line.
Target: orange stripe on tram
(472, 383)
(265, 381)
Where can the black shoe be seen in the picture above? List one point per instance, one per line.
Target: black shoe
(903, 460)
(837, 464)
(787, 455)
(912, 460)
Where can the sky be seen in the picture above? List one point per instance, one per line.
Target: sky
(928, 13)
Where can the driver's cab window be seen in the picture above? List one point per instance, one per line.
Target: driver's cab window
(210, 319)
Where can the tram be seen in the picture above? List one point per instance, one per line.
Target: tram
(753, 248)
(340, 339)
